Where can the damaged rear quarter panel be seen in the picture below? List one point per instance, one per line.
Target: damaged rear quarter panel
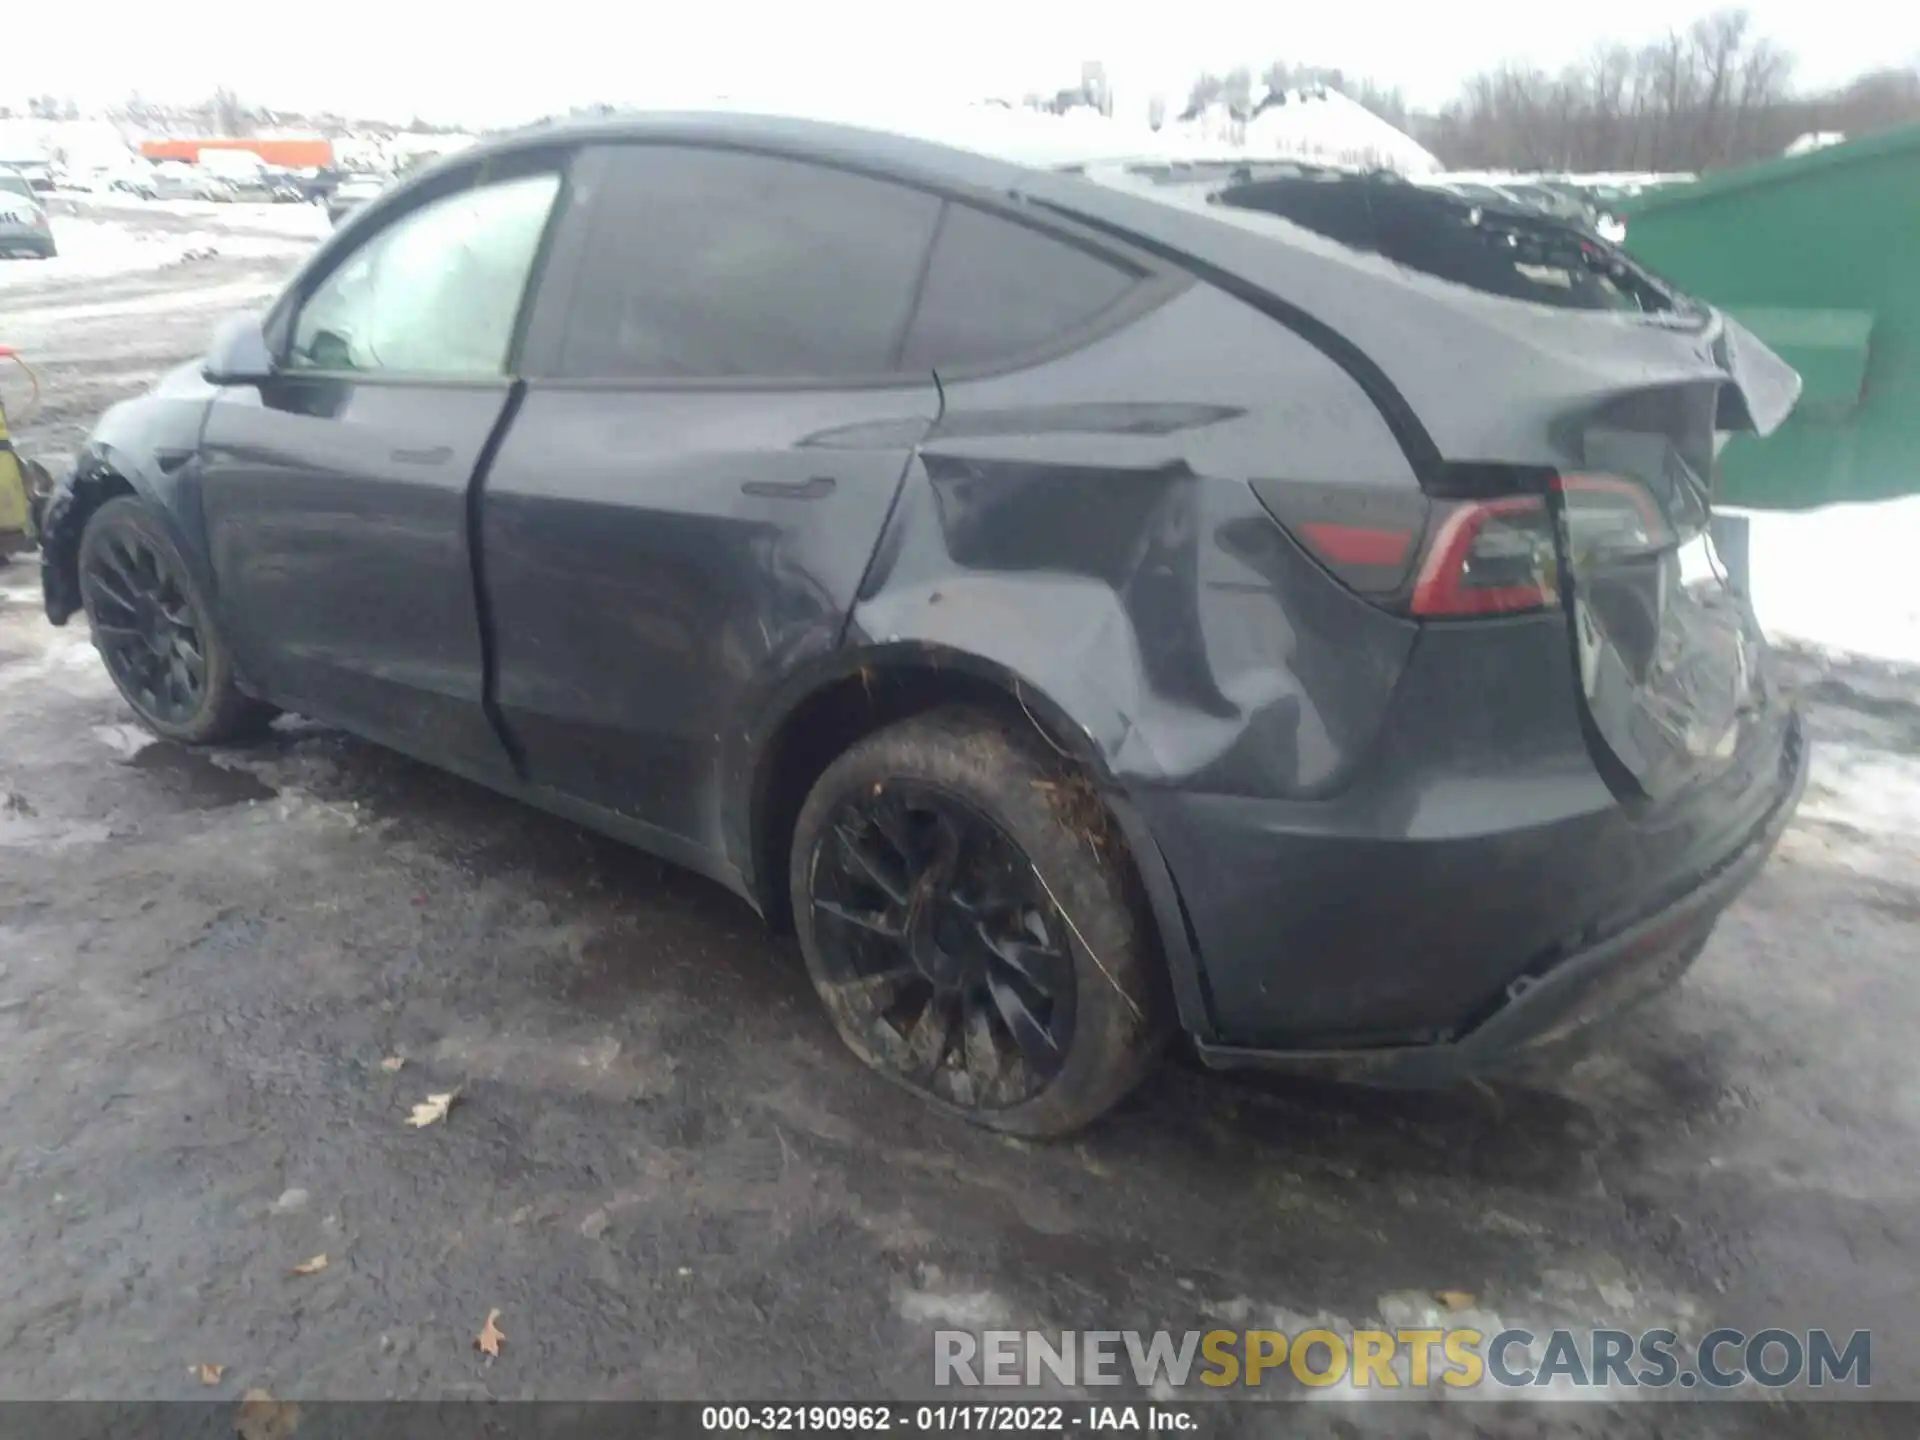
(1087, 527)
(147, 444)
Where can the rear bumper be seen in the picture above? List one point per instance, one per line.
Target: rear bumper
(1551, 1004)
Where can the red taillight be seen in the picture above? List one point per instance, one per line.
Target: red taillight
(1356, 544)
(1498, 556)
(1488, 557)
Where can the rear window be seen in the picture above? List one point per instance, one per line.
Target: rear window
(996, 290)
(1496, 247)
(1493, 245)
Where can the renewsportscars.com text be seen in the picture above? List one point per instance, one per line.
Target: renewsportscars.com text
(1389, 1359)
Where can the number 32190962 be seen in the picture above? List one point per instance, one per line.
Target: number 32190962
(987, 1419)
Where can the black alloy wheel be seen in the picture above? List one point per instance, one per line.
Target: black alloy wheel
(970, 921)
(146, 627)
(954, 960)
(155, 631)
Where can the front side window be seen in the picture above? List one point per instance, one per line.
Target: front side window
(714, 264)
(434, 294)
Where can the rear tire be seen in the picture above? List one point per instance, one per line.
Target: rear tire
(156, 633)
(970, 924)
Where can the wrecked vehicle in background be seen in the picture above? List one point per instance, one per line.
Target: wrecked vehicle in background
(1084, 606)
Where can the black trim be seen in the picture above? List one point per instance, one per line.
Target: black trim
(1192, 996)
(537, 267)
(899, 346)
(477, 566)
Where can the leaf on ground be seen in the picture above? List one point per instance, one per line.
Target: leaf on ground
(262, 1417)
(207, 1374)
(433, 1108)
(311, 1267)
(487, 1342)
(393, 1063)
(1454, 1299)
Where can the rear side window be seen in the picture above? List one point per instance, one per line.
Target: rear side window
(710, 264)
(997, 289)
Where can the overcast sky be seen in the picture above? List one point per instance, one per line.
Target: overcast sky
(490, 63)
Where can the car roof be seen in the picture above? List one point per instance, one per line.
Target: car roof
(885, 152)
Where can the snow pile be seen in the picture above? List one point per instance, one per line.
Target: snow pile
(1815, 140)
(1840, 577)
(1006, 132)
(1325, 126)
(1319, 125)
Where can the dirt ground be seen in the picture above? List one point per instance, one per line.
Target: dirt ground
(662, 1169)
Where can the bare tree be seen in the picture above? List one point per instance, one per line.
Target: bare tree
(228, 113)
(1718, 94)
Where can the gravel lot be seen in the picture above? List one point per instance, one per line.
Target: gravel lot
(662, 1169)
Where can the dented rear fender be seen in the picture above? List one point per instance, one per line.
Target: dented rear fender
(1160, 614)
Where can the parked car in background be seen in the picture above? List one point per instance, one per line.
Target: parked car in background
(134, 183)
(25, 227)
(36, 170)
(317, 184)
(353, 192)
(268, 185)
(1084, 606)
(126, 181)
(174, 181)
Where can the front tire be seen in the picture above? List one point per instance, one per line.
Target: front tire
(969, 923)
(155, 630)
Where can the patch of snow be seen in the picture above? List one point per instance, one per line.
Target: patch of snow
(1877, 791)
(1815, 140)
(126, 741)
(1840, 577)
(960, 1309)
(1326, 126)
(93, 249)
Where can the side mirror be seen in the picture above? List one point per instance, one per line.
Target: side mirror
(239, 355)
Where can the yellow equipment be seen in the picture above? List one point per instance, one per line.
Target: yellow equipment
(18, 479)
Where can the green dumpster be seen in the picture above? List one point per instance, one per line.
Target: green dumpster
(1815, 254)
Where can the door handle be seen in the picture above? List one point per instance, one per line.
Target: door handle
(432, 455)
(815, 488)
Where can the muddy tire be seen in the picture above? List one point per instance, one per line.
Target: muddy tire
(155, 630)
(968, 918)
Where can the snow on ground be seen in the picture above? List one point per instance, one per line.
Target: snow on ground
(95, 248)
(1871, 790)
(1840, 577)
(305, 222)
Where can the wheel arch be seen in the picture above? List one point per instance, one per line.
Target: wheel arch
(874, 686)
(93, 483)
